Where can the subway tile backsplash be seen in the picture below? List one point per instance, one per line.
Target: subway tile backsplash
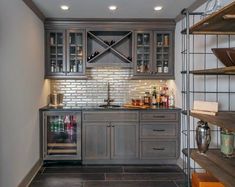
(93, 91)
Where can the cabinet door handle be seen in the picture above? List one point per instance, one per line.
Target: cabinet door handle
(159, 130)
(159, 116)
(158, 149)
(109, 126)
(112, 126)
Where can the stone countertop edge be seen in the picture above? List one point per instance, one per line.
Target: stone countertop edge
(62, 108)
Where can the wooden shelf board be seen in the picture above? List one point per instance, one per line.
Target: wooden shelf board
(62, 145)
(61, 151)
(222, 119)
(216, 23)
(215, 71)
(215, 163)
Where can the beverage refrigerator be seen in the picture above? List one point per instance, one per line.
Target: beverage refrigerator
(61, 135)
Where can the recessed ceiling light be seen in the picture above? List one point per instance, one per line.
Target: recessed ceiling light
(157, 8)
(64, 7)
(112, 7)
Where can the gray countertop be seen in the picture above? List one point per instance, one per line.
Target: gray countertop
(84, 108)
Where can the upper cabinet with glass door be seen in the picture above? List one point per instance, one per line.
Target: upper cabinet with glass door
(55, 62)
(154, 55)
(75, 53)
(143, 53)
(65, 55)
(163, 54)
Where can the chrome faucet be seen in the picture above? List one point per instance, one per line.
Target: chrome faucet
(108, 100)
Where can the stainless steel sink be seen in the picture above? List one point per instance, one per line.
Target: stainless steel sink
(109, 106)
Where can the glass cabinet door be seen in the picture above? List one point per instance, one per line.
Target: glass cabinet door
(76, 52)
(55, 53)
(62, 136)
(143, 54)
(163, 53)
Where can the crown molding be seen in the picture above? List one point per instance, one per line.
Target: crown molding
(35, 9)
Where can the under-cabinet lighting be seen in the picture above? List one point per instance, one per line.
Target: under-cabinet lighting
(64, 7)
(157, 8)
(112, 7)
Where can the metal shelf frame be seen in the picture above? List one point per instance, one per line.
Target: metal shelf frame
(189, 91)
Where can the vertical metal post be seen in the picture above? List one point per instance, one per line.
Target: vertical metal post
(188, 97)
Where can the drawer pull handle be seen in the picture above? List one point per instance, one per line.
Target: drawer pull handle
(158, 149)
(159, 130)
(159, 116)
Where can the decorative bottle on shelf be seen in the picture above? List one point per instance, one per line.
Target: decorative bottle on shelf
(166, 40)
(53, 64)
(227, 143)
(165, 67)
(159, 68)
(203, 136)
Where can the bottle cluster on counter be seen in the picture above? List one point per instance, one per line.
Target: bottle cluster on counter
(159, 97)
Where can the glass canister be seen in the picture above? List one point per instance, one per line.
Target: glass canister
(227, 142)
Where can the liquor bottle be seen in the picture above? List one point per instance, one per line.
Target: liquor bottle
(61, 125)
(80, 66)
(147, 98)
(166, 97)
(51, 125)
(158, 100)
(154, 96)
(159, 68)
(161, 95)
(67, 123)
(166, 40)
(165, 67)
(56, 126)
(171, 99)
(52, 67)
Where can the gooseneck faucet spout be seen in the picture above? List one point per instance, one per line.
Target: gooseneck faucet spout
(108, 100)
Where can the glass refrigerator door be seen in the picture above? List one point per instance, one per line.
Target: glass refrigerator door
(62, 131)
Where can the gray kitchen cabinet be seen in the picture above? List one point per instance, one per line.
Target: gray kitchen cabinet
(154, 54)
(96, 141)
(150, 136)
(143, 53)
(159, 135)
(124, 140)
(65, 53)
(107, 47)
(158, 149)
(114, 136)
(55, 53)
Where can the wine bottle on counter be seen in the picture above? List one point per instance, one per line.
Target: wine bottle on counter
(154, 96)
(171, 99)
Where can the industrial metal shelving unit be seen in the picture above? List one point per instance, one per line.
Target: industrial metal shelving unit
(204, 86)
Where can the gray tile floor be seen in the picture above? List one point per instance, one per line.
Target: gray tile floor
(109, 176)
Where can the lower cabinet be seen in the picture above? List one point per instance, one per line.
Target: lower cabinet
(159, 135)
(96, 141)
(112, 140)
(124, 140)
(158, 149)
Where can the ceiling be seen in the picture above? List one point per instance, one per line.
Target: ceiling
(99, 8)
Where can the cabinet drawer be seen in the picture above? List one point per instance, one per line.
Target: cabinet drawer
(159, 116)
(155, 130)
(111, 116)
(158, 149)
